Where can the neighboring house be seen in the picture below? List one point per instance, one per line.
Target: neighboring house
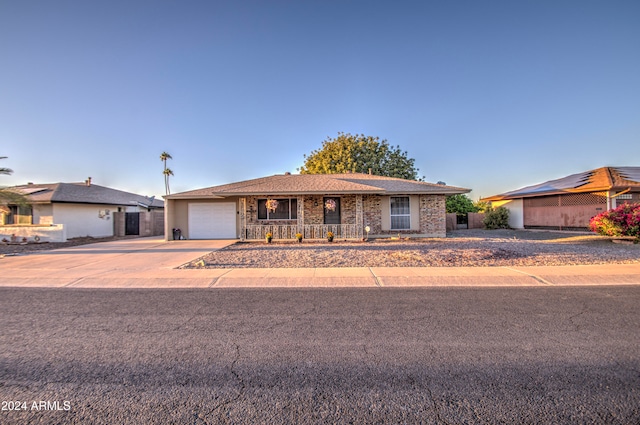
(570, 202)
(60, 211)
(310, 204)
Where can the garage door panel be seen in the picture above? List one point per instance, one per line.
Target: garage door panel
(212, 220)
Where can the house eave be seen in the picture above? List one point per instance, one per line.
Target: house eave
(315, 192)
(549, 193)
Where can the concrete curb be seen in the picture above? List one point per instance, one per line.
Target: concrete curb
(152, 263)
(624, 274)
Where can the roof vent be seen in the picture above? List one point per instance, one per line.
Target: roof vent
(287, 173)
(88, 181)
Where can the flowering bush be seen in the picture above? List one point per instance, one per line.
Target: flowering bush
(621, 221)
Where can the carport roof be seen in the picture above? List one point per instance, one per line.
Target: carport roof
(308, 184)
(600, 179)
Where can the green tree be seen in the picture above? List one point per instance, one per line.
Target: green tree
(9, 196)
(164, 156)
(481, 206)
(460, 204)
(360, 154)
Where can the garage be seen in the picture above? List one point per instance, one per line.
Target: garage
(212, 220)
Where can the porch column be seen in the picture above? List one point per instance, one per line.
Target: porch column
(359, 217)
(243, 218)
(301, 214)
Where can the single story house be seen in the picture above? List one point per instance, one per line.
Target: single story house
(310, 204)
(569, 203)
(59, 211)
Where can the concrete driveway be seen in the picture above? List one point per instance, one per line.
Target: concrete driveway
(152, 263)
(142, 262)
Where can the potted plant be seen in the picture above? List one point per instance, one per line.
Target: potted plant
(268, 237)
(330, 236)
(299, 237)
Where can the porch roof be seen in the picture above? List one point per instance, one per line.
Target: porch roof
(310, 184)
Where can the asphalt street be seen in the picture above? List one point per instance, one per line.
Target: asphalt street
(320, 355)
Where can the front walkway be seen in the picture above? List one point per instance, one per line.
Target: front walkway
(152, 262)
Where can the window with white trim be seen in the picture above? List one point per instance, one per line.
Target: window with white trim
(287, 209)
(400, 213)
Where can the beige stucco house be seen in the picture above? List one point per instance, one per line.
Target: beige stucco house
(569, 203)
(59, 211)
(310, 204)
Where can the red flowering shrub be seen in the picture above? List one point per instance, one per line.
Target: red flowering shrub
(621, 221)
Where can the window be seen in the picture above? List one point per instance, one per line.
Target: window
(400, 213)
(19, 215)
(287, 210)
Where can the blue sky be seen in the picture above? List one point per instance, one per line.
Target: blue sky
(489, 95)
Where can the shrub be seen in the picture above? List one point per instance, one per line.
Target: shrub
(621, 221)
(496, 218)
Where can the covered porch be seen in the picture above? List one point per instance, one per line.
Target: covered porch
(313, 216)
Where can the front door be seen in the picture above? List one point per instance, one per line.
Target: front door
(331, 215)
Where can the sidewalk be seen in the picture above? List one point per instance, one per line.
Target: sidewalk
(152, 262)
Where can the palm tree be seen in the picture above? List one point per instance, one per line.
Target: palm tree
(167, 172)
(5, 170)
(9, 196)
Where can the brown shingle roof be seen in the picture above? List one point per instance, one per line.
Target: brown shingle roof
(600, 179)
(303, 184)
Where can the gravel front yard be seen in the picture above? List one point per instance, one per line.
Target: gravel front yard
(460, 248)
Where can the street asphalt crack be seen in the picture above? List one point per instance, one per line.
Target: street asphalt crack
(572, 318)
(241, 390)
(435, 407)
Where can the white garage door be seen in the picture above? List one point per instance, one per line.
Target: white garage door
(212, 221)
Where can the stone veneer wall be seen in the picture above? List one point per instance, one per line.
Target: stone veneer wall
(348, 209)
(313, 214)
(433, 220)
(432, 213)
(371, 213)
